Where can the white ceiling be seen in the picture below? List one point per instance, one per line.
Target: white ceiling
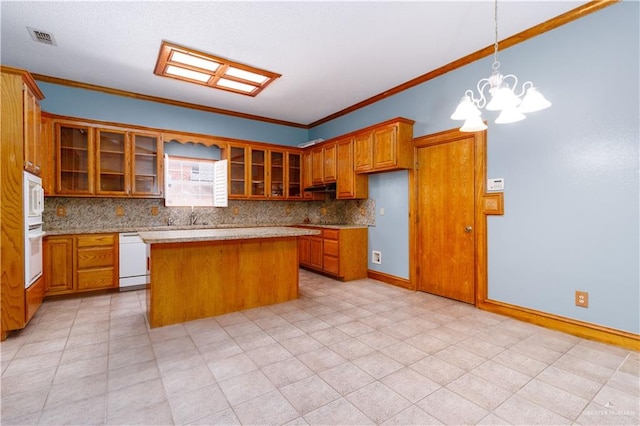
(331, 54)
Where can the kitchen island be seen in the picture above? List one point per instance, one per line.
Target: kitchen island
(200, 273)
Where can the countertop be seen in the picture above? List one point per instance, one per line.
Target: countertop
(194, 235)
(98, 230)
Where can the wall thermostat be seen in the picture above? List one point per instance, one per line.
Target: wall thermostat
(495, 184)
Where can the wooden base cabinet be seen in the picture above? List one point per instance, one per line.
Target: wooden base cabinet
(338, 252)
(77, 263)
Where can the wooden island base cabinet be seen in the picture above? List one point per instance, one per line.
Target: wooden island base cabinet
(200, 279)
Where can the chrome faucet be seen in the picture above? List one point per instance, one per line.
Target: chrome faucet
(169, 221)
(193, 218)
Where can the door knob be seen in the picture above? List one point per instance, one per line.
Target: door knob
(468, 229)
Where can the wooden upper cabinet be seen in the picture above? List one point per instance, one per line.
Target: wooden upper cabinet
(111, 163)
(237, 156)
(294, 175)
(146, 164)
(317, 166)
(257, 172)
(48, 150)
(33, 155)
(363, 156)
(349, 184)
(330, 162)
(104, 161)
(385, 147)
(277, 168)
(74, 159)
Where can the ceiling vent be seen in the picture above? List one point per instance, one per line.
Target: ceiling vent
(42, 36)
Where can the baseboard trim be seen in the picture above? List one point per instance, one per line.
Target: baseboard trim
(567, 325)
(390, 279)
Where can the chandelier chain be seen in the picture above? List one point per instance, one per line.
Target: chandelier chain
(496, 63)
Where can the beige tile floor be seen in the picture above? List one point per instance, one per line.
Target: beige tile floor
(344, 353)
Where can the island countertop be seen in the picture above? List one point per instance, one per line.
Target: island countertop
(194, 235)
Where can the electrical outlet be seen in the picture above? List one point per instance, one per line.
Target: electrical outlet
(119, 211)
(582, 299)
(154, 211)
(61, 211)
(236, 210)
(323, 211)
(376, 257)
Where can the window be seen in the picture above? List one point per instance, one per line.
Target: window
(195, 182)
(201, 68)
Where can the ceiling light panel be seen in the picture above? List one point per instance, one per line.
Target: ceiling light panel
(186, 73)
(201, 68)
(194, 61)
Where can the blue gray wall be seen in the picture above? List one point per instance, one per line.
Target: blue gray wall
(571, 172)
(75, 102)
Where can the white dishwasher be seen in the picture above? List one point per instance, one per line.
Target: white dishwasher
(134, 270)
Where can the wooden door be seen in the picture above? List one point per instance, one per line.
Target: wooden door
(446, 211)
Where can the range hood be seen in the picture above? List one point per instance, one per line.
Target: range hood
(326, 187)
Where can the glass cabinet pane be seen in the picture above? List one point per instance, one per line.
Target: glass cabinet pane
(111, 152)
(277, 174)
(258, 172)
(294, 187)
(74, 159)
(145, 164)
(237, 163)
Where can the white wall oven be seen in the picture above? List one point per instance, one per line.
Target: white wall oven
(33, 197)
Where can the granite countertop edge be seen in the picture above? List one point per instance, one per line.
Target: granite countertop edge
(75, 231)
(199, 235)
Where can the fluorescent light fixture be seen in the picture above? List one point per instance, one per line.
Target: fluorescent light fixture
(246, 75)
(194, 61)
(185, 73)
(189, 65)
(235, 85)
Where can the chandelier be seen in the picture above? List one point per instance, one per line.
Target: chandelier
(512, 106)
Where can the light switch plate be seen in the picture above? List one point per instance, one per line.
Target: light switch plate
(495, 184)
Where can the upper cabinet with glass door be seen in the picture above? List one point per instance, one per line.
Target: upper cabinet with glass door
(74, 159)
(106, 161)
(145, 165)
(111, 162)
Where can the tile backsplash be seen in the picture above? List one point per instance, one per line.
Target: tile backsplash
(62, 213)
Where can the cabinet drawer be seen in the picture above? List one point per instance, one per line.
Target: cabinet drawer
(331, 264)
(96, 279)
(96, 240)
(331, 234)
(95, 257)
(331, 247)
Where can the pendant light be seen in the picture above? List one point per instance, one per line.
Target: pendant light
(512, 106)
